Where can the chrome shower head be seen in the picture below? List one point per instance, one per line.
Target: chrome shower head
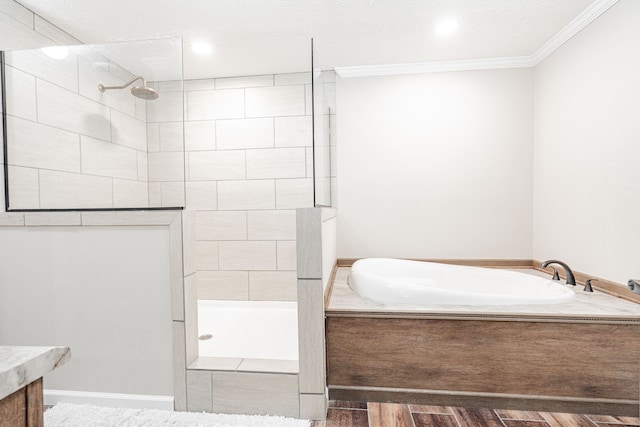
(142, 92)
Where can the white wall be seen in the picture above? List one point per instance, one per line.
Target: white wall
(436, 165)
(587, 148)
(103, 291)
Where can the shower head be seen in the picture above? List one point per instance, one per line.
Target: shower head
(142, 92)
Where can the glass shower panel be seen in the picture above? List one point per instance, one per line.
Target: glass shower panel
(95, 127)
(323, 93)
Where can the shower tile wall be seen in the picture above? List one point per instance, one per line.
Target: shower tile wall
(20, 29)
(71, 146)
(248, 143)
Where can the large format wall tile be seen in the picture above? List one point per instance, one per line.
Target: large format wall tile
(273, 285)
(277, 163)
(254, 393)
(17, 35)
(64, 190)
(246, 195)
(38, 146)
(130, 194)
(143, 166)
(244, 133)
(24, 188)
(169, 107)
(244, 82)
(271, 225)
(172, 194)
(206, 255)
(286, 255)
(153, 137)
(166, 166)
(221, 225)
(17, 13)
(200, 84)
(171, 136)
(228, 285)
(200, 135)
(67, 110)
(216, 165)
(199, 391)
(215, 104)
(21, 94)
(292, 79)
(275, 101)
(107, 159)
(293, 131)
(63, 73)
(247, 255)
(294, 193)
(202, 195)
(128, 131)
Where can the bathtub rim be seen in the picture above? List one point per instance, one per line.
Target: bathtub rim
(494, 314)
(606, 286)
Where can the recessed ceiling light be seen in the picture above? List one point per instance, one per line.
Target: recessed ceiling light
(56, 52)
(446, 27)
(201, 47)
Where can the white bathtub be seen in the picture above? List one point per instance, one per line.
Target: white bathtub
(248, 329)
(425, 283)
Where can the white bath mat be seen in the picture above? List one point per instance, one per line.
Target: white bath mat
(69, 415)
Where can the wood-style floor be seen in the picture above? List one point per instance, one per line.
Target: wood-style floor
(359, 414)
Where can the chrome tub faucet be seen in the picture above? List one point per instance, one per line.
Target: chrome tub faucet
(571, 280)
(634, 285)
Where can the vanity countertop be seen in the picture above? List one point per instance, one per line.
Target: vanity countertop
(20, 366)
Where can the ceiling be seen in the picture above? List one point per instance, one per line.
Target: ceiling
(272, 36)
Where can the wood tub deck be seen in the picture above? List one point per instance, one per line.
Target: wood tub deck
(582, 356)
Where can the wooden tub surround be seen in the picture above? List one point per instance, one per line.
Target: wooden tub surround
(582, 356)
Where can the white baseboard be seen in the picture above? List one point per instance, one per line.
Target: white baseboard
(112, 400)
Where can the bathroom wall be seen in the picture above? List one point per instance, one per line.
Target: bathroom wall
(586, 186)
(249, 166)
(56, 289)
(86, 274)
(436, 165)
(22, 29)
(71, 146)
(165, 142)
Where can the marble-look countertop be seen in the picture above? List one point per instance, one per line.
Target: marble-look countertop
(596, 305)
(20, 366)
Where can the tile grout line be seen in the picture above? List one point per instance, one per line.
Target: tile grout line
(413, 421)
(499, 417)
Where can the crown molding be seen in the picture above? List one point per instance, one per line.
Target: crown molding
(435, 67)
(596, 9)
(587, 16)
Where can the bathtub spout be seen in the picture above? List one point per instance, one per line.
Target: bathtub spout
(571, 280)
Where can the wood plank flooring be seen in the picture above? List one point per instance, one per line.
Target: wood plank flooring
(372, 414)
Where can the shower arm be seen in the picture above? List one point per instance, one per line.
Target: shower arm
(102, 87)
